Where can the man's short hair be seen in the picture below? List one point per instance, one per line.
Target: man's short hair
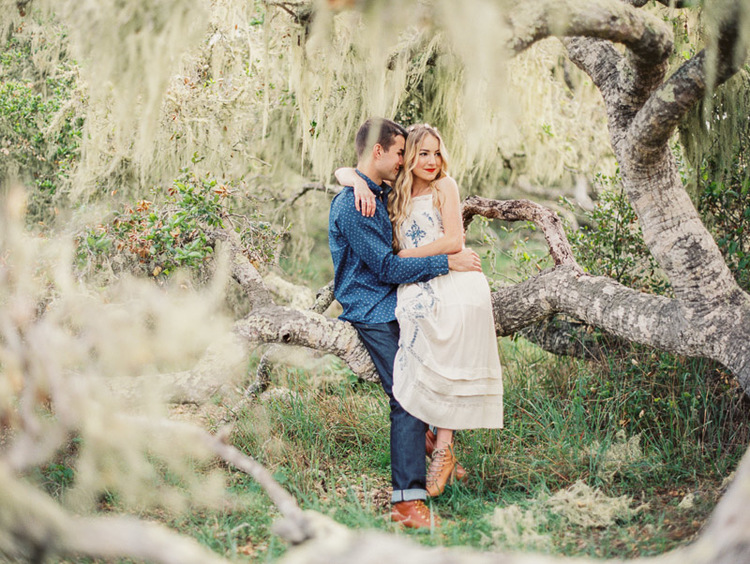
(377, 131)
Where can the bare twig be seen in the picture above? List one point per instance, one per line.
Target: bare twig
(311, 187)
(323, 299)
(297, 527)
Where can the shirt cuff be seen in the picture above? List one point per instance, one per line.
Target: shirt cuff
(442, 264)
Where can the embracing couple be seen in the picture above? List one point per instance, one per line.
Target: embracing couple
(420, 303)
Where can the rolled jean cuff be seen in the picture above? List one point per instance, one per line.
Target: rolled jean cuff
(408, 495)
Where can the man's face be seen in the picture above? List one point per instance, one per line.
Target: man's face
(391, 161)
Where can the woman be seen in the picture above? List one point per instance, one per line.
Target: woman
(447, 371)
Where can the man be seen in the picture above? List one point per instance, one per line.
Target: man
(367, 273)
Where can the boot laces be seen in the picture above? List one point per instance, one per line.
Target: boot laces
(422, 509)
(440, 459)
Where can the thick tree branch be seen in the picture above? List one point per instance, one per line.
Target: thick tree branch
(308, 329)
(644, 34)
(323, 299)
(597, 58)
(667, 324)
(524, 210)
(597, 301)
(667, 106)
(242, 269)
(675, 234)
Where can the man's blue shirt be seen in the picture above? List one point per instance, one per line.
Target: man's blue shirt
(367, 272)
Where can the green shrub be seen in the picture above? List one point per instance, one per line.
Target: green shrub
(41, 154)
(610, 243)
(724, 201)
(154, 239)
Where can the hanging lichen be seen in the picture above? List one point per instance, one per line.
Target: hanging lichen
(433, 63)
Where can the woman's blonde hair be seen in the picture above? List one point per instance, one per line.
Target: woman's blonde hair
(399, 204)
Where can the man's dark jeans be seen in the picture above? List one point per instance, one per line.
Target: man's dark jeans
(407, 432)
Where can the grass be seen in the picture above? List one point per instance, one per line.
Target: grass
(659, 430)
(642, 424)
(681, 424)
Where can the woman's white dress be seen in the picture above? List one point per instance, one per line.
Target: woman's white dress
(447, 371)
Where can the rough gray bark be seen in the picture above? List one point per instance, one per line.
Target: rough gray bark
(524, 210)
(277, 324)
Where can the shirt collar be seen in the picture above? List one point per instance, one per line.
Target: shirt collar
(379, 190)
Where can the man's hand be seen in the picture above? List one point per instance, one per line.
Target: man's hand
(465, 260)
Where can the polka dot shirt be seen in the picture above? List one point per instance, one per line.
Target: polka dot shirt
(367, 271)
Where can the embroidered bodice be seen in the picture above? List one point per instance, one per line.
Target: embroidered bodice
(423, 225)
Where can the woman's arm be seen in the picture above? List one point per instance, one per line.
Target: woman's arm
(364, 199)
(453, 240)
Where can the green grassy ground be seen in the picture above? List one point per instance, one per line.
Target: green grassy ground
(644, 440)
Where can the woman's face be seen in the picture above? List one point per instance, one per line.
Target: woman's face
(429, 161)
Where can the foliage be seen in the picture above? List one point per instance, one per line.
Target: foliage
(714, 137)
(154, 239)
(40, 133)
(511, 252)
(725, 203)
(610, 242)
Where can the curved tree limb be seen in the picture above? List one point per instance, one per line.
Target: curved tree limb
(675, 234)
(323, 299)
(659, 117)
(524, 210)
(644, 34)
(665, 323)
(641, 119)
(278, 324)
(597, 58)
(242, 269)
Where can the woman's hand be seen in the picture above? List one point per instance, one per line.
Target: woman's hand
(364, 199)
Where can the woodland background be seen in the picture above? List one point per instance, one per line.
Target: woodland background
(166, 173)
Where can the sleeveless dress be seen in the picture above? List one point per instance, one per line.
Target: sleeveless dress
(447, 370)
